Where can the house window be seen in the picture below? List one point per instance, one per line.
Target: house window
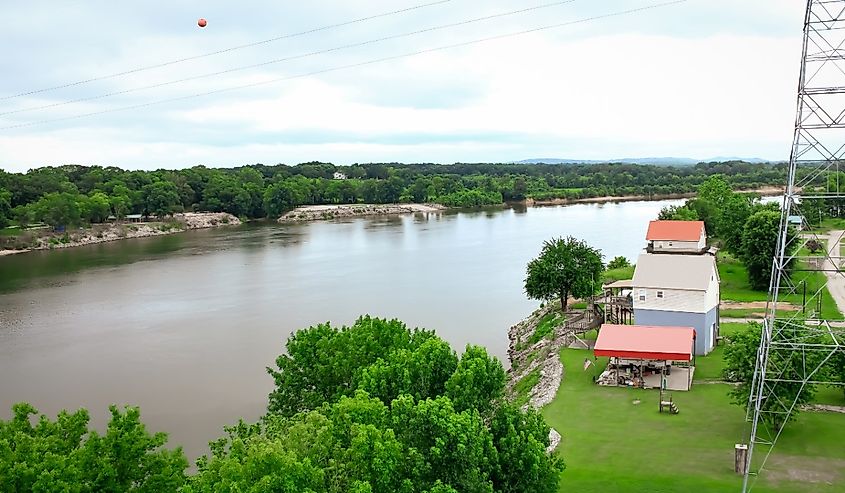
(642, 295)
(660, 294)
(670, 243)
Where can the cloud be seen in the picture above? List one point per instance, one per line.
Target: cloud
(698, 79)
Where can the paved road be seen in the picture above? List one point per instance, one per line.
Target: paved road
(835, 278)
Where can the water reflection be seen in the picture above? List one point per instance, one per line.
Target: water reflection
(184, 325)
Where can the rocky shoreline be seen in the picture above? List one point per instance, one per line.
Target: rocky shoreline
(101, 233)
(318, 212)
(542, 357)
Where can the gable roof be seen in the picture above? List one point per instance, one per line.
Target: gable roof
(645, 342)
(675, 230)
(674, 271)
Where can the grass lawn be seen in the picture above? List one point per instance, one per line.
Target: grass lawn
(612, 445)
(613, 275)
(828, 224)
(10, 231)
(735, 287)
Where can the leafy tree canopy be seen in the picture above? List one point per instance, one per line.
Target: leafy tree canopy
(618, 262)
(380, 407)
(565, 267)
(64, 455)
(759, 242)
(740, 358)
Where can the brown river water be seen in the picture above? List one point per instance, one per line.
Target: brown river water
(184, 325)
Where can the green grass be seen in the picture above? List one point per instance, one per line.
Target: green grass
(828, 224)
(612, 445)
(727, 329)
(735, 287)
(613, 275)
(831, 395)
(709, 367)
(524, 386)
(758, 313)
(734, 281)
(546, 326)
(10, 231)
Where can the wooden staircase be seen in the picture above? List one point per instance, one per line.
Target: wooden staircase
(666, 403)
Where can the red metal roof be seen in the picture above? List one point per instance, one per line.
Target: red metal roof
(645, 342)
(675, 230)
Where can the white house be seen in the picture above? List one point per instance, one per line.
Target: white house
(339, 176)
(676, 237)
(678, 290)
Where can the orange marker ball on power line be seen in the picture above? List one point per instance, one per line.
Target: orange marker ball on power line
(202, 23)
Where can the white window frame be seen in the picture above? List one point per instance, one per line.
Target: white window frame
(660, 294)
(642, 295)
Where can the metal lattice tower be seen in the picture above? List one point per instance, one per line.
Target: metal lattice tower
(800, 339)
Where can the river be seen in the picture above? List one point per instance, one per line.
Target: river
(184, 325)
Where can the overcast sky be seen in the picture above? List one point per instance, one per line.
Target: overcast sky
(699, 79)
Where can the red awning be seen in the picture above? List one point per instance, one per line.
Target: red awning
(645, 342)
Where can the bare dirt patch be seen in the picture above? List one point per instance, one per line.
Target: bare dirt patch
(824, 470)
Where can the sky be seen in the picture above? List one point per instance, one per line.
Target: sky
(698, 78)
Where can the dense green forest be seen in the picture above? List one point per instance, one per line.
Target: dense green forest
(373, 407)
(73, 195)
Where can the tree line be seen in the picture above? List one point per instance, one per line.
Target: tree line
(739, 222)
(73, 194)
(373, 407)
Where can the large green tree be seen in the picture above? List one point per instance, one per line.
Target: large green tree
(5, 207)
(58, 209)
(161, 198)
(323, 363)
(565, 267)
(97, 207)
(477, 382)
(788, 367)
(759, 242)
(383, 408)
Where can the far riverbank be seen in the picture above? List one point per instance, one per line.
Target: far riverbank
(763, 191)
(101, 233)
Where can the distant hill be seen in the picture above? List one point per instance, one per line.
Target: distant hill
(659, 161)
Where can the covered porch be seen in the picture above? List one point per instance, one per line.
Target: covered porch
(647, 356)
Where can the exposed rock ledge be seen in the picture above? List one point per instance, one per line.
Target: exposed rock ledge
(100, 233)
(543, 355)
(314, 212)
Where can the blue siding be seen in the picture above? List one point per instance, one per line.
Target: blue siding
(701, 322)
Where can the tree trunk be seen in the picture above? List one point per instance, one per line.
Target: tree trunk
(563, 297)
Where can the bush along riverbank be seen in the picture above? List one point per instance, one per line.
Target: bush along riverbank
(46, 239)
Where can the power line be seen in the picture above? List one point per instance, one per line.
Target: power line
(225, 50)
(290, 58)
(344, 67)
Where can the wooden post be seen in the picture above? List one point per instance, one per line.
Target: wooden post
(741, 458)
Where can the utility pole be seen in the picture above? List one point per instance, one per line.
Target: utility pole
(793, 351)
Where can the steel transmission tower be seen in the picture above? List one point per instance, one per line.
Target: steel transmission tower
(801, 337)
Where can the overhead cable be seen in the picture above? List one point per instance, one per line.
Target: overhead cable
(288, 59)
(224, 50)
(344, 67)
